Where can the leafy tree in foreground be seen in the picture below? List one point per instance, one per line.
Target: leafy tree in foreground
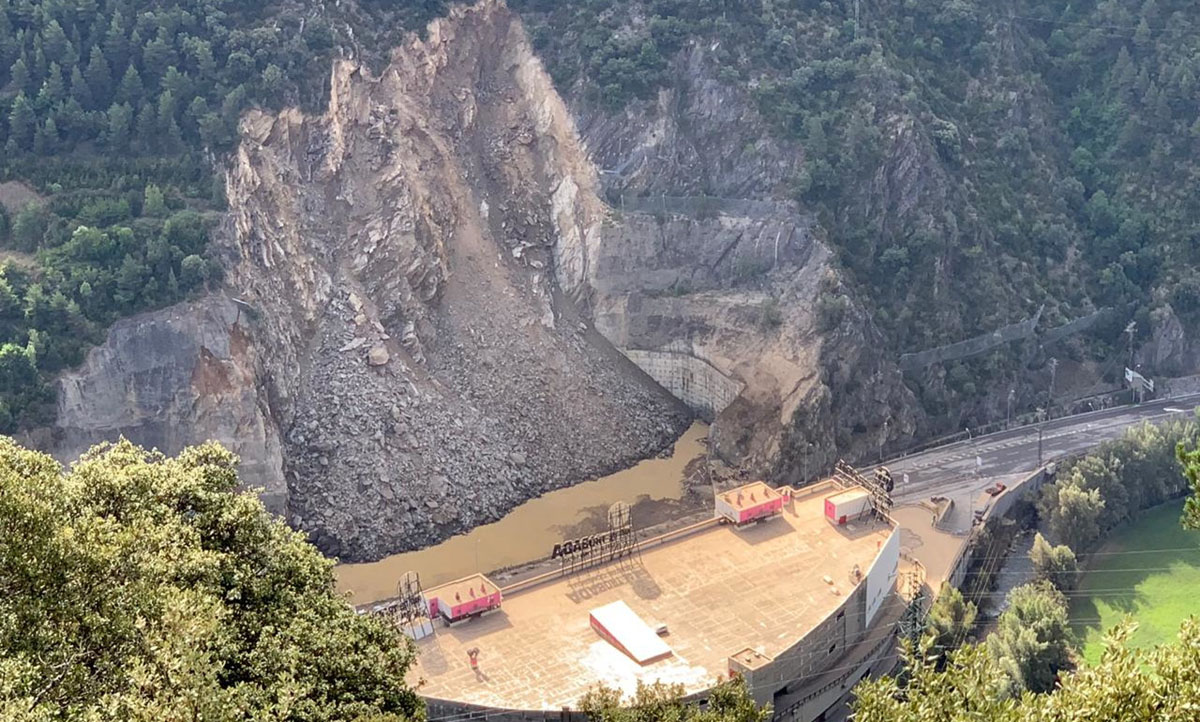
(1032, 641)
(137, 587)
(728, 702)
(1072, 514)
(1190, 459)
(1127, 685)
(950, 620)
(1055, 564)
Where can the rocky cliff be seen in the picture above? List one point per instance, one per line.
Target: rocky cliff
(703, 252)
(435, 287)
(168, 379)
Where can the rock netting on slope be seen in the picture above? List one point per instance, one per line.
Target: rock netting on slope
(400, 253)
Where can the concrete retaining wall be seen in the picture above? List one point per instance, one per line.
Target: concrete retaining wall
(999, 507)
(689, 377)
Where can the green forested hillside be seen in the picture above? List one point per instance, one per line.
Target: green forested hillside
(970, 160)
(118, 112)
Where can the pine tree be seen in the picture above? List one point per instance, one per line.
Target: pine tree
(6, 29)
(55, 43)
(45, 139)
(19, 72)
(38, 64)
(158, 55)
(214, 133)
(154, 205)
(272, 83)
(176, 82)
(120, 121)
(116, 41)
(79, 88)
(1142, 38)
(146, 128)
(134, 53)
(951, 619)
(21, 123)
(54, 89)
(173, 142)
(200, 56)
(1123, 76)
(196, 111)
(99, 75)
(166, 110)
(72, 121)
(130, 90)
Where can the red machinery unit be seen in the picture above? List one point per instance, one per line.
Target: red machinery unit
(455, 601)
(749, 503)
(847, 505)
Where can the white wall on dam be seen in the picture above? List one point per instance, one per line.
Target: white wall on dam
(881, 579)
(689, 377)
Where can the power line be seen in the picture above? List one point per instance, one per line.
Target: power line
(1091, 26)
(1117, 553)
(1013, 572)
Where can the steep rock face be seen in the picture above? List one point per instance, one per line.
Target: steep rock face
(168, 379)
(702, 253)
(400, 254)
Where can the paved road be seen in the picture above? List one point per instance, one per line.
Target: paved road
(950, 470)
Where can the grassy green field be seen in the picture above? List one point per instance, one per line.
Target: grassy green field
(1148, 569)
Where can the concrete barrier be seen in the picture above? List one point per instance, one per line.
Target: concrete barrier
(690, 377)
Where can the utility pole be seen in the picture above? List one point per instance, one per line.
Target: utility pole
(1053, 370)
(1039, 445)
(856, 19)
(1012, 394)
(883, 439)
(1131, 329)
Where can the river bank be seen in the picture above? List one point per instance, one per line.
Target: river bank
(654, 488)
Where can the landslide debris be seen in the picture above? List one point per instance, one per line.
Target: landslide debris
(402, 254)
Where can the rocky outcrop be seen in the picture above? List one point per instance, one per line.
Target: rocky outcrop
(172, 378)
(404, 255)
(704, 253)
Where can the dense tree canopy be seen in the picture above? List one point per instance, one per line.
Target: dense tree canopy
(951, 620)
(137, 587)
(1118, 479)
(1128, 685)
(1032, 641)
(1189, 456)
(1021, 673)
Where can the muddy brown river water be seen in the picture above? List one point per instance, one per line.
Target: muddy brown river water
(529, 531)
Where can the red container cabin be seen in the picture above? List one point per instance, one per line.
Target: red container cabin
(749, 503)
(461, 599)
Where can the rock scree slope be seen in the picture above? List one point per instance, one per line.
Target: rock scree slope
(401, 250)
